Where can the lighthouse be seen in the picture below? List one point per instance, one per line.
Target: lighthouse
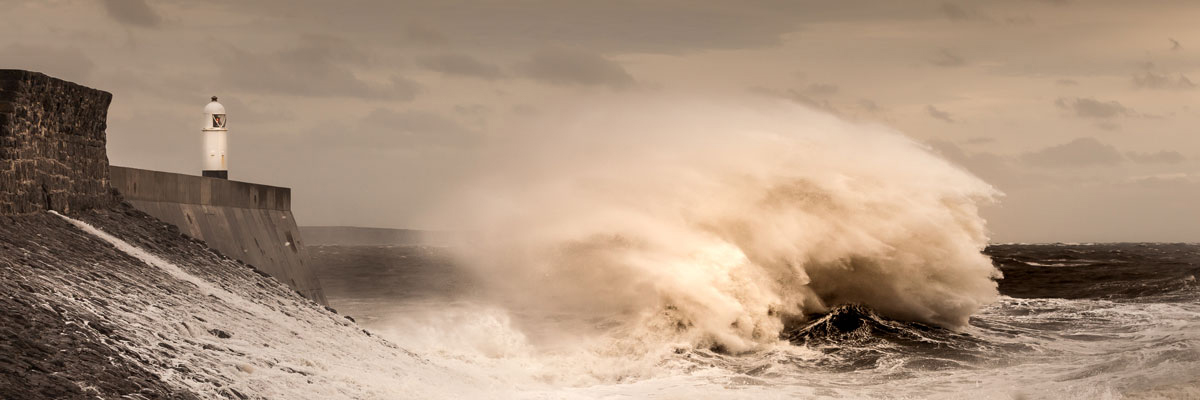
(216, 141)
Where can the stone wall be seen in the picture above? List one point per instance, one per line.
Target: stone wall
(52, 145)
(245, 221)
(53, 157)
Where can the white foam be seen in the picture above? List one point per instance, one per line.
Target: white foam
(178, 273)
(293, 350)
(729, 217)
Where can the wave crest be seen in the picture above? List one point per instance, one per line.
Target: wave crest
(715, 223)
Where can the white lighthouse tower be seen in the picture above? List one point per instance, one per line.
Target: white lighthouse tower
(216, 141)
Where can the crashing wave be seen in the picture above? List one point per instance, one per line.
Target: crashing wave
(734, 218)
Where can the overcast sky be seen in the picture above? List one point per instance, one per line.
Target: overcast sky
(1083, 112)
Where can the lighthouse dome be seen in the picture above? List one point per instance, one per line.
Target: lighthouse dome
(214, 107)
(214, 116)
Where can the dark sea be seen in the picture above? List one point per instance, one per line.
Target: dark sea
(1086, 321)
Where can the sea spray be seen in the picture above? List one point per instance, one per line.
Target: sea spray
(237, 336)
(667, 220)
(205, 287)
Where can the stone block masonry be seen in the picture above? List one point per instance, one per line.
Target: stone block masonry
(53, 157)
(52, 145)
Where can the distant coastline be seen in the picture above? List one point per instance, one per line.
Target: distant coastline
(358, 236)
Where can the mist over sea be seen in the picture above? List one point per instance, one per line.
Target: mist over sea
(584, 200)
(1073, 321)
(651, 248)
(675, 248)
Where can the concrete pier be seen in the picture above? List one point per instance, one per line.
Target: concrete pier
(53, 157)
(245, 221)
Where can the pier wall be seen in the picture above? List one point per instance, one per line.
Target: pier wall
(53, 156)
(245, 221)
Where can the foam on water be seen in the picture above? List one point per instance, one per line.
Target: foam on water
(285, 348)
(1016, 349)
(714, 223)
(204, 286)
(659, 249)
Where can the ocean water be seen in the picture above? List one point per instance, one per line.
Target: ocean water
(696, 248)
(1073, 321)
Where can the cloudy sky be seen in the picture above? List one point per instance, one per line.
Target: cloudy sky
(1083, 112)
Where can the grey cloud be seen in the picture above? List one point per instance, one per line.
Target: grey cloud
(472, 110)
(993, 168)
(949, 150)
(524, 109)
(386, 129)
(323, 49)
(255, 112)
(979, 140)
(869, 105)
(801, 97)
(954, 11)
(1020, 20)
(939, 114)
(1085, 107)
(957, 12)
(475, 113)
(461, 65)
(1156, 80)
(947, 58)
(319, 67)
(671, 26)
(1161, 157)
(416, 128)
(1172, 182)
(132, 12)
(1108, 125)
(137, 139)
(559, 66)
(1076, 153)
(420, 33)
(61, 62)
(820, 104)
(821, 89)
(1067, 82)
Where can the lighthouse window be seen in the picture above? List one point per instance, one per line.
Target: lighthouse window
(218, 121)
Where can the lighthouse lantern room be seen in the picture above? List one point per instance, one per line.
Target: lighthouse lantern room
(216, 141)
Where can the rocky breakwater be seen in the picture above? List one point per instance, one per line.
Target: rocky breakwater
(52, 145)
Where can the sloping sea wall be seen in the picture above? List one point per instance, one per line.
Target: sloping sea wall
(249, 222)
(53, 157)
